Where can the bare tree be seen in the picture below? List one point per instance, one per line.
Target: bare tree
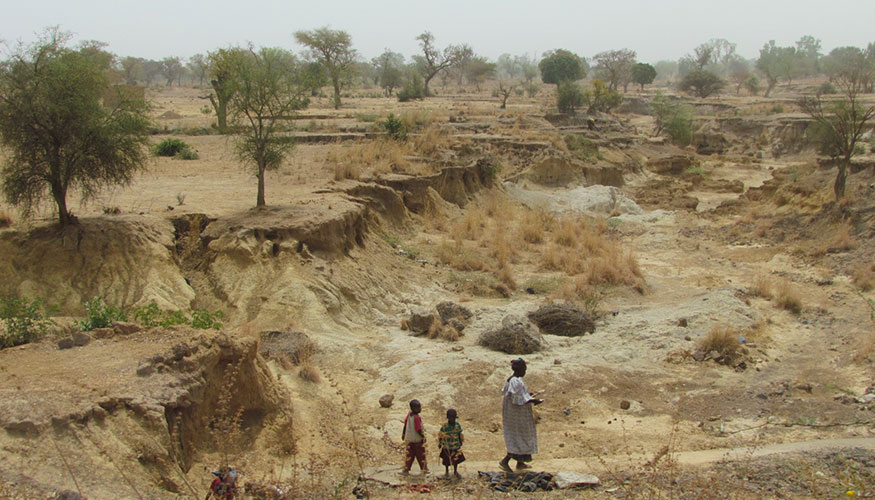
(842, 123)
(504, 90)
(615, 66)
(434, 60)
(332, 48)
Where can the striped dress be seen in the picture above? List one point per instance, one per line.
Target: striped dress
(518, 420)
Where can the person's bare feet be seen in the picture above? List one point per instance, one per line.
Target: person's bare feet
(458, 476)
(505, 466)
(522, 465)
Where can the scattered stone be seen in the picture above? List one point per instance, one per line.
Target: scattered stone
(457, 348)
(65, 343)
(123, 328)
(688, 338)
(81, 339)
(624, 404)
(145, 369)
(557, 362)
(804, 387)
(420, 321)
(516, 335)
(68, 495)
(449, 310)
(456, 323)
(386, 400)
(562, 319)
(682, 322)
(102, 333)
(565, 480)
(292, 345)
(699, 356)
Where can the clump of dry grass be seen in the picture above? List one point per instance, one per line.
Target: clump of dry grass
(864, 277)
(762, 287)
(5, 219)
(722, 339)
(346, 171)
(380, 155)
(309, 372)
(582, 294)
(843, 239)
(431, 140)
(533, 224)
(445, 332)
(460, 258)
(472, 225)
(788, 297)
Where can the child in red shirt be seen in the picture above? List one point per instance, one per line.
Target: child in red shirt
(413, 435)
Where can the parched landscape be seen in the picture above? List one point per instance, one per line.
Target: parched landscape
(672, 258)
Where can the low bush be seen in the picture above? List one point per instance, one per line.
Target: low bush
(600, 98)
(174, 147)
(150, 315)
(99, 314)
(394, 127)
(569, 97)
(864, 277)
(24, 321)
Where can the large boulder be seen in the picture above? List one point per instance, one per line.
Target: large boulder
(420, 321)
(516, 335)
(562, 319)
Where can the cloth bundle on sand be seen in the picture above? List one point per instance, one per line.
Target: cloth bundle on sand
(523, 481)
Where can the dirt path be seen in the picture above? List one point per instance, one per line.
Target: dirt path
(387, 474)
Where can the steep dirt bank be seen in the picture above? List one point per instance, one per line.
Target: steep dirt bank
(129, 415)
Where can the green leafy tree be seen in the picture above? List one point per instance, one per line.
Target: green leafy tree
(131, 69)
(774, 63)
(850, 67)
(701, 83)
(643, 74)
(389, 70)
(221, 71)
(266, 90)
(198, 65)
(433, 60)
(55, 129)
(673, 119)
(332, 48)
(615, 67)
(313, 77)
(171, 69)
(561, 66)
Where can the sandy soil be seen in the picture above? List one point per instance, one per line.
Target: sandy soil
(698, 271)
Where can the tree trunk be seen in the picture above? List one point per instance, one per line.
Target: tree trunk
(259, 202)
(60, 196)
(425, 86)
(336, 83)
(841, 179)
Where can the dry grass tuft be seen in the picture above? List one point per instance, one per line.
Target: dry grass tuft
(309, 373)
(347, 171)
(430, 141)
(722, 339)
(843, 240)
(762, 287)
(788, 298)
(460, 258)
(864, 277)
(582, 294)
(533, 224)
(5, 220)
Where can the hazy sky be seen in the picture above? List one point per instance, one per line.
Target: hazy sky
(655, 29)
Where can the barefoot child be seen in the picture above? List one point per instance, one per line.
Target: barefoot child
(413, 435)
(450, 441)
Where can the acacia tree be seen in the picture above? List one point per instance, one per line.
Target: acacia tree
(433, 60)
(390, 70)
(266, 89)
(775, 62)
(56, 130)
(332, 48)
(171, 68)
(198, 66)
(131, 69)
(842, 122)
(615, 66)
(701, 83)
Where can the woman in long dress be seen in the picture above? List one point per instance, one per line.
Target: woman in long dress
(518, 419)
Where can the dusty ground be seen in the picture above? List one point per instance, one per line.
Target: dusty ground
(802, 375)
